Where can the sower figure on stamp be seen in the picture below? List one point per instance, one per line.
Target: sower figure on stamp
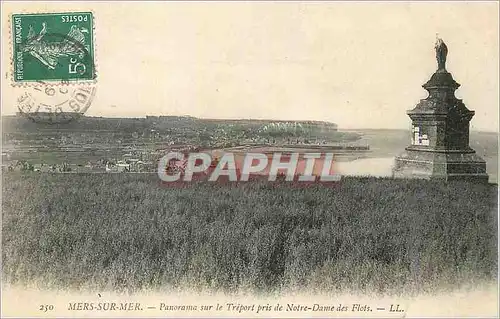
(441, 52)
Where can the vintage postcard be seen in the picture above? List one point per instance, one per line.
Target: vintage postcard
(263, 159)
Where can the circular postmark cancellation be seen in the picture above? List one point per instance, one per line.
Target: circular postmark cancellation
(55, 103)
(52, 101)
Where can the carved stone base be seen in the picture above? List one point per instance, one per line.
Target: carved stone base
(442, 165)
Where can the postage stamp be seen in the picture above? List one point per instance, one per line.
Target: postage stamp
(53, 47)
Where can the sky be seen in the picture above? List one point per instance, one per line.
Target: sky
(358, 64)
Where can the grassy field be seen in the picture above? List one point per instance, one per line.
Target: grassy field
(127, 233)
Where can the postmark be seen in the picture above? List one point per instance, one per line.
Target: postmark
(55, 103)
(53, 48)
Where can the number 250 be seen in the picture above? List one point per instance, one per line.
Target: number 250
(73, 68)
(46, 308)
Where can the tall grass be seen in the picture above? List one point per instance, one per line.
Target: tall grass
(127, 232)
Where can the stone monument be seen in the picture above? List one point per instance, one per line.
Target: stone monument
(440, 133)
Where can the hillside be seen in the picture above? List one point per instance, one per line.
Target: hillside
(109, 139)
(13, 123)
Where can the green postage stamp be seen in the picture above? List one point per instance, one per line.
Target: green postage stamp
(53, 47)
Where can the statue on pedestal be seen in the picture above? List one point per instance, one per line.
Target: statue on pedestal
(439, 144)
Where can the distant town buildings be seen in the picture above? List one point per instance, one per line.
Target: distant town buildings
(114, 145)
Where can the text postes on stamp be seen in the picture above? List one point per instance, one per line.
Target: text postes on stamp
(53, 47)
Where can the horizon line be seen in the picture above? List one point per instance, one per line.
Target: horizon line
(247, 119)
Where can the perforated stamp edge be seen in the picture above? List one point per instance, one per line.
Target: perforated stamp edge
(55, 83)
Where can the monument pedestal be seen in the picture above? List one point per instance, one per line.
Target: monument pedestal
(440, 134)
(440, 165)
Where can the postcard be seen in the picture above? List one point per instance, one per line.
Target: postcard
(333, 159)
